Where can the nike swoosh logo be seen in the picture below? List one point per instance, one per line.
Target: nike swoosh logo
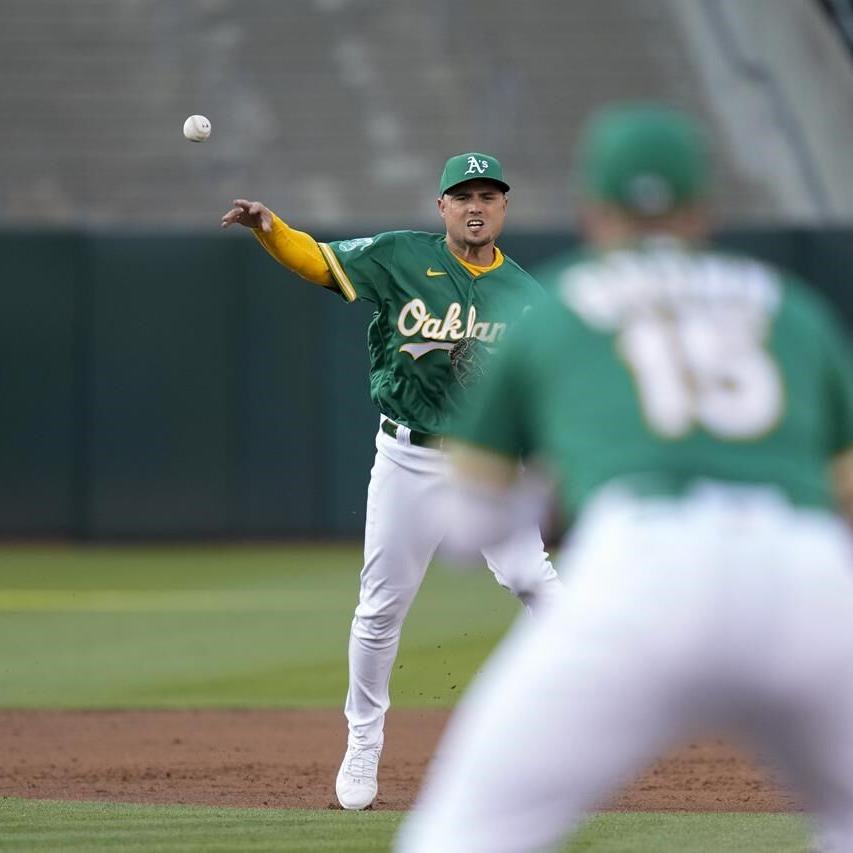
(431, 272)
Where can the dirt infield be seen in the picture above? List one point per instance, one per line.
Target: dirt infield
(288, 759)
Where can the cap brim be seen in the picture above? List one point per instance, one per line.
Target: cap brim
(504, 186)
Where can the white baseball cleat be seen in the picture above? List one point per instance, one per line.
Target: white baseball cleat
(356, 784)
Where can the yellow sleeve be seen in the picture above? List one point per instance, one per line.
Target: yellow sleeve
(297, 251)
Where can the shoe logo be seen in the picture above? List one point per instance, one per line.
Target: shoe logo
(431, 272)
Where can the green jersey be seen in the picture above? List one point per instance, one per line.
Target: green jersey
(659, 366)
(425, 302)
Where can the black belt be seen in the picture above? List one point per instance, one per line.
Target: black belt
(421, 439)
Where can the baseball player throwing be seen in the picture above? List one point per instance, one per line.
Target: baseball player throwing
(430, 291)
(690, 404)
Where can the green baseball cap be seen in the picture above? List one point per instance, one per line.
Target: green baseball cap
(646, 158)
(471, 167)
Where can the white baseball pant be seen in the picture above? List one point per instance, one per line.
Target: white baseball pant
(401, 537)
(727, 608)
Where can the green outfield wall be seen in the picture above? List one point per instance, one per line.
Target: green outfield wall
(183, 386)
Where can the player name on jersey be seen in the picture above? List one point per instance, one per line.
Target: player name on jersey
(610, 292)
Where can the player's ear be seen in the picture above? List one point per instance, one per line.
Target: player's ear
(441, 205)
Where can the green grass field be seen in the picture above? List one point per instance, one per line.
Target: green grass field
(34, 825)
(220, 627)
(255, 627)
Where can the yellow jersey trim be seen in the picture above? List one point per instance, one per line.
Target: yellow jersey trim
(476, 270)
(341, 278)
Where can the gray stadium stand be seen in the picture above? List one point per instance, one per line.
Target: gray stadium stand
(342, 111)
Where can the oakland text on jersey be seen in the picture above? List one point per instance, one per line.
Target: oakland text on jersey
(415, 319)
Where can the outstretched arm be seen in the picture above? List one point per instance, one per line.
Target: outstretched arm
(294, 249)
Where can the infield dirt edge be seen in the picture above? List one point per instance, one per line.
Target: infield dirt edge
(288, 759)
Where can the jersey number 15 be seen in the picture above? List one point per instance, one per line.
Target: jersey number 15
(694, 372)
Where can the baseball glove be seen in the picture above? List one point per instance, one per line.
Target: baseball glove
(469, 360)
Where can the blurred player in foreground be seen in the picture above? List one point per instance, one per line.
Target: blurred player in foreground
(689, 404)
(431, 292)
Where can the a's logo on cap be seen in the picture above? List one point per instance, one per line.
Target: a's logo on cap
(476, 167)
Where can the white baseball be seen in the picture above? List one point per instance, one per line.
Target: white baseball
(197, 128)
